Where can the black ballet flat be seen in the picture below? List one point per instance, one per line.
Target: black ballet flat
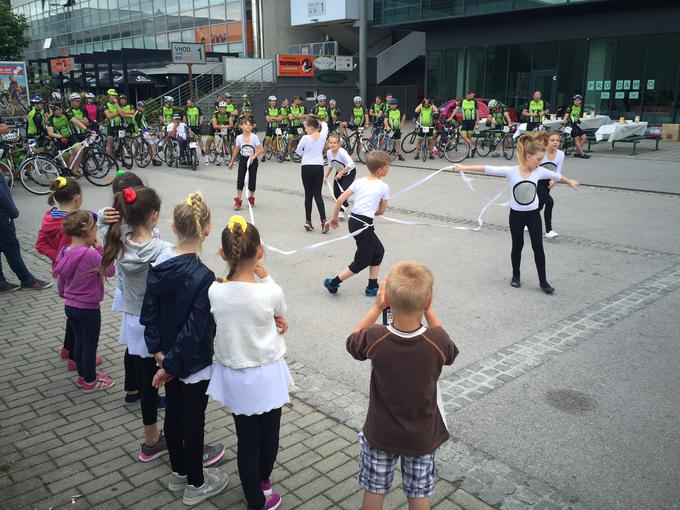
(515, 282)
(547, 288)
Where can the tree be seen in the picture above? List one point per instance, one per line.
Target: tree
(13, 28)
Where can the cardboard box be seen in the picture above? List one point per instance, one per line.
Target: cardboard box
(671, 132)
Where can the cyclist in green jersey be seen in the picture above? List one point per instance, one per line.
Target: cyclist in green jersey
(59, 128)
(245, 102)
(247, 114)
(35, 126)
(76, 114)
(426, 112)
(321, 109)
(470, 115)
(334, 116)
(534, 111)
(359, 116)
(377, 111)
(231, 107)
(296, 115)
(499, 116)
(222, 122)
(113, 119)
(572, 119)
(394, 121)
(193, 118)
(273, 117)
(127, 112)
(142, 126)
(167, 111)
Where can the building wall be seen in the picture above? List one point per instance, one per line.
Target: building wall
(278, 34)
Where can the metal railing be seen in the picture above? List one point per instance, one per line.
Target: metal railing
(203, 84)
(252, 83)
(327, 48)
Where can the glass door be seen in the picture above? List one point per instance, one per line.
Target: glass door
(545, 80)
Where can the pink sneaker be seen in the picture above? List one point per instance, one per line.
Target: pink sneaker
(63, 353)
(273, 501)
(72, 364)
(80, 381)
(100, 383)
(267, 487)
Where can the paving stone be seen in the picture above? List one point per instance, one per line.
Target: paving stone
(469, 502)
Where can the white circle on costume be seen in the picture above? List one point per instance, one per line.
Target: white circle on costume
(524, 192)
(549, 165)
(247, 150)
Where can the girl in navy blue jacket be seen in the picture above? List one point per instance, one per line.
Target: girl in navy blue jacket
(179, 332)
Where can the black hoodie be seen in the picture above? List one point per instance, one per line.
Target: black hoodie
(176, 314)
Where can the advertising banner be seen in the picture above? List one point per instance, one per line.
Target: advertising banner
(324, 63)
(344, 63)
(13, 88)
(295, 65)
(61, 65)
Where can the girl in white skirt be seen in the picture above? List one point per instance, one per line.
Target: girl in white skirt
(250, 377)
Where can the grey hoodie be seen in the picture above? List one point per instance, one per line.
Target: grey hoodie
(133, 267)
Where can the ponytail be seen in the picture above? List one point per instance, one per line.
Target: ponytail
(191, 217)
(113, 242)
(240, 241)
(530, 144)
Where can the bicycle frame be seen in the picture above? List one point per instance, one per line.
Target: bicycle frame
(83, 145)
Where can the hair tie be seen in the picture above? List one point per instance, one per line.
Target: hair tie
(129, 195)
(190, 202)
(120, 172)
(237, 220)
(61, 181)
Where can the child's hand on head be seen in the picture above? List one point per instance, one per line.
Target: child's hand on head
(281, 324)
(111, 215)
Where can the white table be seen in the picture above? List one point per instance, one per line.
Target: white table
(548, 124)
(613, 132)
(587, 123)
(595, 122)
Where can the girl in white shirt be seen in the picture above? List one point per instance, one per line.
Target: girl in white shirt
(250, 376)
(370, 200)
(344, 177)
(553, 160)
(524, 209)
(249, 147)
(310, 149)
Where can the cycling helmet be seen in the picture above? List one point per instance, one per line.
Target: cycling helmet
(357, 99)
(89, 95)
(140, 104)
(246, 109)
(169, 99)
(228, 95)
(244, 96)
(394, 101)
(222, 104)
(578, 96)
(123, 96)
(55, 106)
(56, 96)
(112, 92)
(321, 97)
(332, 101)
(492, 104)
(73, 96)
(37, 98)
(271, 98)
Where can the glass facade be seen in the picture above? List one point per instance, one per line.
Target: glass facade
(389, 12)
(100, 25)
(621, 76)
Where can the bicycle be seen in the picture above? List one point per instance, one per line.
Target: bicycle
(223, 144)
(387, 143)
(279, 146)
(122, 147)
(8, 169)
(296, 140)
(408, 142)
(355, 141)
(190, 155)
(567, 144)
(141, 148)
(490, 140)
(13, 107)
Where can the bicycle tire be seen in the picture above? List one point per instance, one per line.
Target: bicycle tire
(39, 171)
(508, 147)
(142, 153)
(100, 168)
(484, 144)
(425, 149)
(408, 143)
(127, 157)
(160, 149)
(194, 160)
(170, 155)
(456, 151)
(7, 174)
(363, 148)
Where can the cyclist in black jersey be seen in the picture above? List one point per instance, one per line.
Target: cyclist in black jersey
(273, 117)
(572, 119)
(377, 111)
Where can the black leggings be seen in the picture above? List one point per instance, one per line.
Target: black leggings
(69, 340)
(344, 182)
(131, 376)
(146, 369)
(544, 199)
(532, 220)
(370, 251)
(312, 180)
(258, 444)
(184, 427)
(252, 174)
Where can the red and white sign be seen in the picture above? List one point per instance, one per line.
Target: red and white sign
(295, 65)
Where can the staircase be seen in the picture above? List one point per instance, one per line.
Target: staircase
(253, 84)
(387, 62)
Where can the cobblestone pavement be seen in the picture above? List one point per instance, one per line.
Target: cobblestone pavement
(60, 448)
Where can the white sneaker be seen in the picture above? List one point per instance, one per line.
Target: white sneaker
(526, 229)
(215, 481)
(177, 482)
(551, 234)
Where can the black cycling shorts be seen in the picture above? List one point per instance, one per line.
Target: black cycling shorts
(576, 131)
(467, 126)
(72, 140)
(195, 130)
(397, 134)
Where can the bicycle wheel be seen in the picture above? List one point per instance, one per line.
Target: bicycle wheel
(408, 144)
(37, 174)
(142, 152)
(170, 154)
(100, 168)
(127, 157)
(160, 149)
(11, 109)
(484, 144)
(456, 150)
(508, 147)
(194, 160)
(363, 148)
(7, 174)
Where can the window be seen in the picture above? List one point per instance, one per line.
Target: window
(474, 77)
(496, 72)
(570, 71)
(519, 76)
(663, 64)
(600, 84)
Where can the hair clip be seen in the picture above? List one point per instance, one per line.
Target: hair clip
(120, 172)
(129, 195)
(237, 220)
(61, 181)
(190, 202)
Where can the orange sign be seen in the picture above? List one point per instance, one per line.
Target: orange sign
(296, 65)
(223, 33)
(62, 65)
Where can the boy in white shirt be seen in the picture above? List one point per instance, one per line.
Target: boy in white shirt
(370, 200)
(180, 131)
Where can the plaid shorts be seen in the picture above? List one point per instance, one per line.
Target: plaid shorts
(376, 471)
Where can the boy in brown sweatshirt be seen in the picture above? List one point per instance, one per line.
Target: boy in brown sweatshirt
(405, 415)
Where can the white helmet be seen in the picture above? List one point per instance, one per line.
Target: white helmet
(357, 99)
(271, 98)
(321, 97)
(228, 95)
(222, 104)
(492, 104)
(73, 95)
(332, 101)
(169, 99)
(56, 96)
(89, 95)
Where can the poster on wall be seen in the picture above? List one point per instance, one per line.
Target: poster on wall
(344, 63)
(324, 63)
(636, 84)
(13, 88)
(626, 84)
(604, 95)
(591, 85)
(650, 84)
(619, 84)
(61, 65)
(295, 65)
(598, 85)
(607, 85)
(620, 95)
(634, 95)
